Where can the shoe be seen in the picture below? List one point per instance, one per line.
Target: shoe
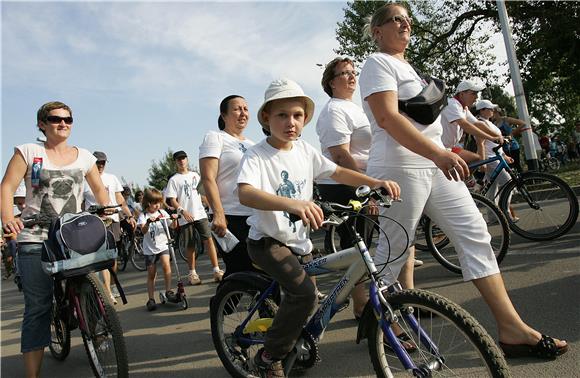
(217, 276)
(273, 369)
(545, 348)
(193, 279)
(115, 292)
(170, 295)
(151, 305)
(405, 341)
(418, 262)
(113, 299)
(515, 219)
(321, 296)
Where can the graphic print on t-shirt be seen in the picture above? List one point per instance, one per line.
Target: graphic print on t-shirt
(288, 189)
(242, 148)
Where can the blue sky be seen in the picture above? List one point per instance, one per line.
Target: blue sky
(143, 77)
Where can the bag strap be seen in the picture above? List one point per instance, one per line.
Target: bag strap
(118, 284)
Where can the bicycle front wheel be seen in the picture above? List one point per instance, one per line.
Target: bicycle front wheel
(497, 227)
(59, 334)
(465, 349)
(102, 333)
(228, 309)
(545, 206)
(136, 253)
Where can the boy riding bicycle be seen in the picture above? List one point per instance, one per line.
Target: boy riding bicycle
(276, 178)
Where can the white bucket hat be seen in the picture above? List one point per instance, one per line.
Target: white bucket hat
(469, 85)
(485, 104)
(285, 88)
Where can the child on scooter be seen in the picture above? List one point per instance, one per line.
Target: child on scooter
(155, 243)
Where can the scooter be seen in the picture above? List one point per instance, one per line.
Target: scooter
(179, 297)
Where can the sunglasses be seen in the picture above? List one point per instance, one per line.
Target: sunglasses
(399, 19)
(346, 73)
(57, 119)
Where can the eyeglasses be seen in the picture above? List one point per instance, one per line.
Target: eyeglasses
(57, 119)
(399, 19)
(101, 162)
(347, 73)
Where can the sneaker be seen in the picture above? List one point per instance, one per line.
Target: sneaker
(115, 292)
(151, 305)
(272, 369)
(321, 296)
(193, 279)
(113, 300)
(418, 262)
(217, 276)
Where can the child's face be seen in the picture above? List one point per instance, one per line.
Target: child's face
(153, 207)
(286, 119)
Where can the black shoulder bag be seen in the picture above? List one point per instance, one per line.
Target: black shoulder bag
(427, 105)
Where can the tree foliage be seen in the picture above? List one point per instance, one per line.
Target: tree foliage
(161, 171)
(451, 40)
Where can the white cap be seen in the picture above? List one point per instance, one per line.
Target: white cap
(469, 85)
(285, 88)
(485, 104)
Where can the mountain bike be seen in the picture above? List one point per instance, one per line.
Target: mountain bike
(136, 251)
(447, 341)
(545, 205)
(80, 301)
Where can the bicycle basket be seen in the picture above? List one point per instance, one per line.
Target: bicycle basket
(78, 244)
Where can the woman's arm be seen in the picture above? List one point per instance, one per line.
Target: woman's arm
(209, 169)
(385, 109)
(341, 155)
(14, 174)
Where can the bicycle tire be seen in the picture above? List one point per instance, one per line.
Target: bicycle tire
(180, 242)
(229, 307)
(497, 227)
(102, 334)
(123, 253)
(450, 327)
(136, 253)
(59, 334)
(557, 206)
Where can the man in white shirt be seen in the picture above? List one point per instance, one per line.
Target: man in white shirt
(456, 118)
(115, 190)
(181, 193)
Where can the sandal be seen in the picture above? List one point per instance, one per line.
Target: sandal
(405, 341)
(545, 348)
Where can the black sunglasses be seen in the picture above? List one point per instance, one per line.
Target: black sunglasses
(57, 119)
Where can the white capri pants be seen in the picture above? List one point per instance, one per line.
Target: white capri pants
(449, 205)
(499, 182)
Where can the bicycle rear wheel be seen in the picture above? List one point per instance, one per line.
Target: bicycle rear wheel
(466, 349)
(229, 308)
(136, 252)
(497, 227)
(181, 242)
(59, 334)
(123, 253)
(545, 206)
(102, 333)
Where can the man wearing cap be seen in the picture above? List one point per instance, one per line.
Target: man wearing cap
(115, 190)
(181, 193)
(456, 118)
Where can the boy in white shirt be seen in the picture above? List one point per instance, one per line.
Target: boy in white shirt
(276, 179)
(181, 193)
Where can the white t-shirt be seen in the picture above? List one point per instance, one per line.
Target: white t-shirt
(381, 73)
(286, 174)
(155, 240)
(452, 132)
(50, 189)
(340, 122)
(183, 187)
(229, 150)
(488, 144)
(112, 186)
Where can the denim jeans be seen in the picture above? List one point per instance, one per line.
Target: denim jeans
(37, 287)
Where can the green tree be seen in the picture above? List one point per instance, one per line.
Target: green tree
(451, 40)
(161, 171)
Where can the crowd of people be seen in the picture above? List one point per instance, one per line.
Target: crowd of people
(253, 188)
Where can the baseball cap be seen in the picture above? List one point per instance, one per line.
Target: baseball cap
(285, 88)
(101, 156)
(469, 85)
(485, 104)
(179, 155)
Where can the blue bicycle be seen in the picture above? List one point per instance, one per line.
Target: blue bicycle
(410, 332)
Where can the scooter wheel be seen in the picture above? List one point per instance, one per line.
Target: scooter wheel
(162, 298)
(184, 304)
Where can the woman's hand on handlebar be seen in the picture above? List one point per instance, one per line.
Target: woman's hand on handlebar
(310, 213)
(219, 225)
(391, 186)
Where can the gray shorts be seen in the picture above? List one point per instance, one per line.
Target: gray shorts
(202, 228)
(152, 259)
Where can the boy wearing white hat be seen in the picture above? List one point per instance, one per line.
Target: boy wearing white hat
(276, 179)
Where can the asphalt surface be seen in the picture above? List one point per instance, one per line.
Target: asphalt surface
(542, 279)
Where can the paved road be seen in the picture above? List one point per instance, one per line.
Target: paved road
(543, 281)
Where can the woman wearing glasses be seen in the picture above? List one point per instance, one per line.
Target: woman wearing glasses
(54, 173)
(430, 178)
(220, 154)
